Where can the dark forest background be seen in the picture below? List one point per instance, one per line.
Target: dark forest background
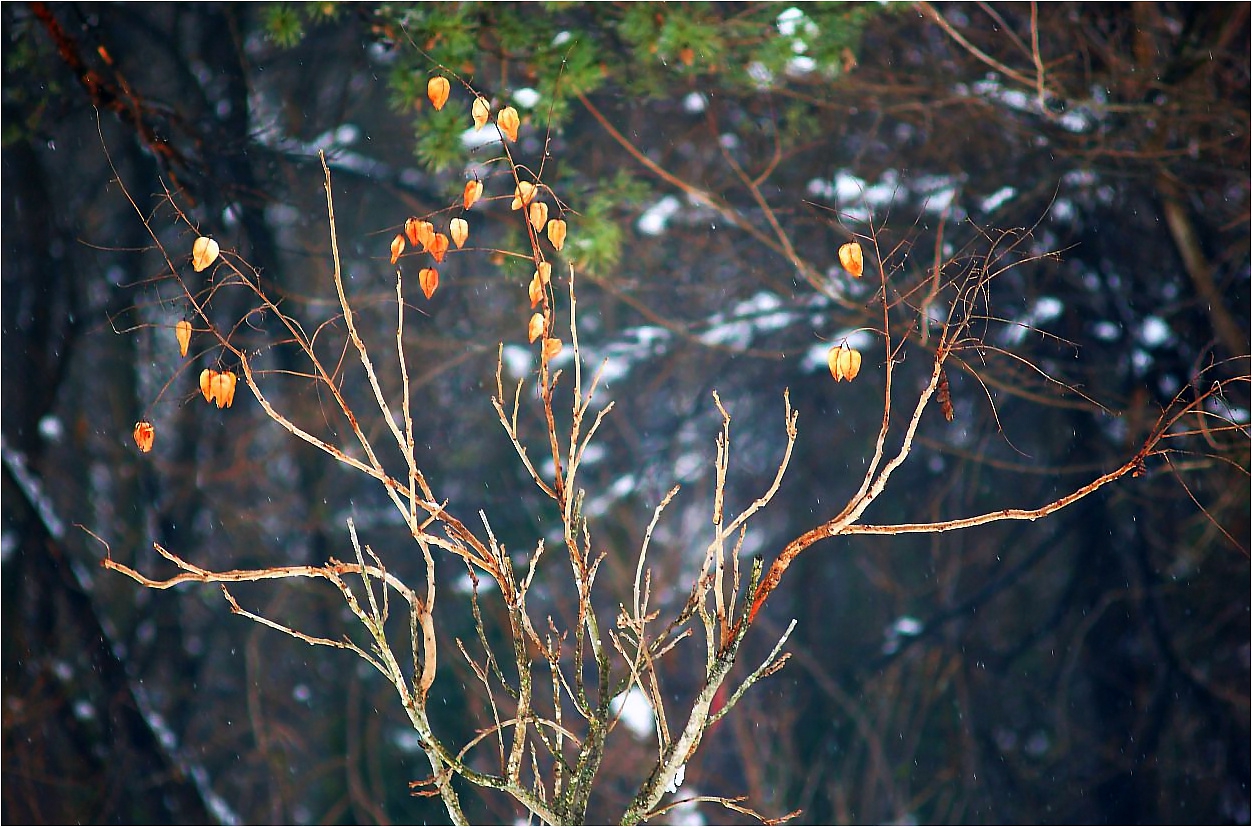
(1091, 667)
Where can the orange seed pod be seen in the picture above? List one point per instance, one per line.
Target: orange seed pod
(538, 215)
(439, 246)
(410, 230)
(425, 234)
(222, 388)
(535, 329)
(144, 434)
(535, 290)
(523, 195)
(182, 331)
(508, 121)
(852, 259)
(844, 362)
(203, 253)
(556, 232)
(473, 191)
(227, 388)
(458, 228)
(481, 111)
(428, 278)
(437, 89)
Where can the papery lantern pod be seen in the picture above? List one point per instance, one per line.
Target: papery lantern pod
(544, 271)
(481, 111)
(473, 191)
(182, 331)
(852, 259)
(538, 215)
(397, 247)
(215, 383)
(222, 386)
(428, 278)
(144, 434)
(439, 246)
(437, 89)
(458, 228)
(523, 195)
(508, 121)
(551, 347)
(556, 232)
(203, 253)
(215, 386)
(535, 290)
(535, 328)
(218, 388)
(411, 230)
(425, 234)
(206, 383)
(228, 387)
(844, 362)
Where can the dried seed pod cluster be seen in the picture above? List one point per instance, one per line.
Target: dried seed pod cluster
(421, 235)
(218, 387)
